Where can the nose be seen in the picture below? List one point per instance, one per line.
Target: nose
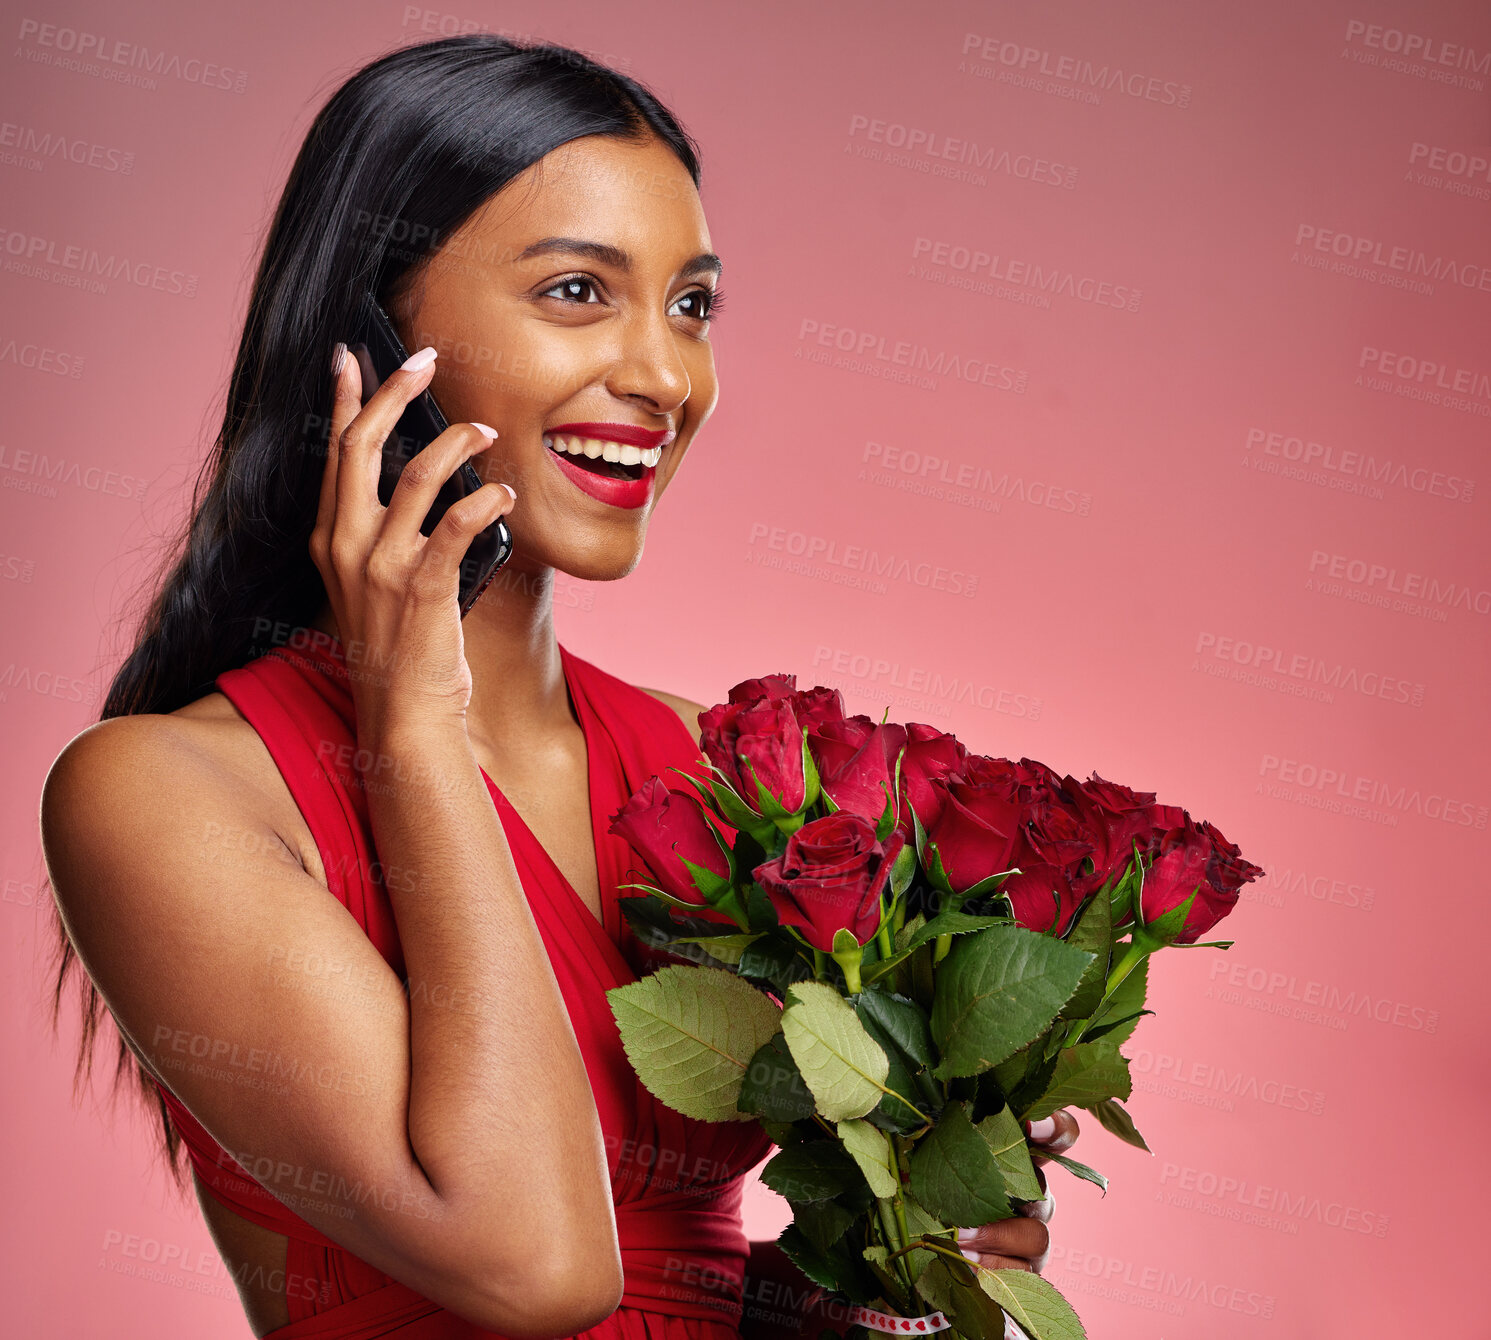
(649, 367)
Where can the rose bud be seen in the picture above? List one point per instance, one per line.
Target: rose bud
(664, 827)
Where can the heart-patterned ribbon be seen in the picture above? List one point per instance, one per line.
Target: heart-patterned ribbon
(893, 1325)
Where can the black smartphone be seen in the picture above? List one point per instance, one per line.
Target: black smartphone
(379, 353)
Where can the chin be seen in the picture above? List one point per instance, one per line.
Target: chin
(607, 564)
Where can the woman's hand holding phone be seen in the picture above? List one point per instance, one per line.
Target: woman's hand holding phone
(393, 591)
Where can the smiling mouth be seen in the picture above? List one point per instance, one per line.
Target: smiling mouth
(603, 457)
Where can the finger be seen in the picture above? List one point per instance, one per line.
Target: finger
(1038, 1209)
(346, 399)
(1017, 1237)
(994, 1262)
(1054, 1134)
(362, 439)
(423, 478)
(444, 551)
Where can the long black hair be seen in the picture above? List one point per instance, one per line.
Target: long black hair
(400, 156)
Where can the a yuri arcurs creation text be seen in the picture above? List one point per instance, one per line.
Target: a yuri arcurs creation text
(902, 952)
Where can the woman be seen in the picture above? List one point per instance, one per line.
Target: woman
(323, 859)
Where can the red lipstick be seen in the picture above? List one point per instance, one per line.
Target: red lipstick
(629, 435)
(619, 492)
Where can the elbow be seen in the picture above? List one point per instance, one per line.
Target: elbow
(552, 1298)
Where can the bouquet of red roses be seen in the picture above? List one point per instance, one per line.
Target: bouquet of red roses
(901, 952)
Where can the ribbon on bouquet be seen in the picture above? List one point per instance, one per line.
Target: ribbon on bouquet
(934, 1321)
(893, 1325)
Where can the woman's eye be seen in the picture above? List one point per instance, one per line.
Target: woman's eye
(701, 304)
(571, 289)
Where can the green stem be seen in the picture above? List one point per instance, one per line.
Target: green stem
(820, 964)
(1131, 958)
(941, 945)
(882, 938)
(898, 1154)
(849, 957)
(894, 1241)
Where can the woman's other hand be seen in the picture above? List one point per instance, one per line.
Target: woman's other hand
(1024, 1242)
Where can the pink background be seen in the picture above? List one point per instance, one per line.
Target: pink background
(1138, 574)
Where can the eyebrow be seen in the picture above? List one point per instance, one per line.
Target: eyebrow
(704, 263)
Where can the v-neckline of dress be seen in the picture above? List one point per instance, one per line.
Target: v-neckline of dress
(605, 928)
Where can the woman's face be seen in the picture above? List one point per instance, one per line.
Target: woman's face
(578, 295)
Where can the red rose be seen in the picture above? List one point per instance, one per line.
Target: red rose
(1162, 818)
(1053, 833)
(760, 729)
(930, 754)
(856, 762)
(810, 706)
(663, 827)
(1033, 896)
(1181, 865)
(830, 878)
(1114, 816)
(1227, 870)
(762, 740)
(1027, 781)
(976, 830)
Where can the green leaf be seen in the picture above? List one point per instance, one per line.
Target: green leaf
(818, 1170)
(690, 1033)
(822, 1222)
(774, 958)
(807, 1257)
(1093, 932)
(1034, 1304)
(955, 1175)
(871, 1150)
(1125, 1003)
(840, 1268)
(1115, 1117)
(902, 1020)
(1081, 1170)
(773, 1087)
(843, 1066)
(913, 924)
(953, 922)
(1086, 1073)
(996, 991)
(1097, 1031)
(900, 1109)
(1006, 1137)
(727, 948)
(949, 1287)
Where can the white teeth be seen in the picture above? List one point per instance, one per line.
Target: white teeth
(612, 451)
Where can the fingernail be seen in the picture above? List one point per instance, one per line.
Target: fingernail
(967, 1234)
(338, 357)
(490, 432)
(972, 1256)
(509, 488)
(422, 359)
(1043, 1129)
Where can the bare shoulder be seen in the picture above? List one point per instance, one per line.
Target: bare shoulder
(688, 710)
(116, 773)
(117, 758)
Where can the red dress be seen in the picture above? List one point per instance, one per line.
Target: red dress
(676, 1182)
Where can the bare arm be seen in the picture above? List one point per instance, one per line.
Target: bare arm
(448, 1137)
